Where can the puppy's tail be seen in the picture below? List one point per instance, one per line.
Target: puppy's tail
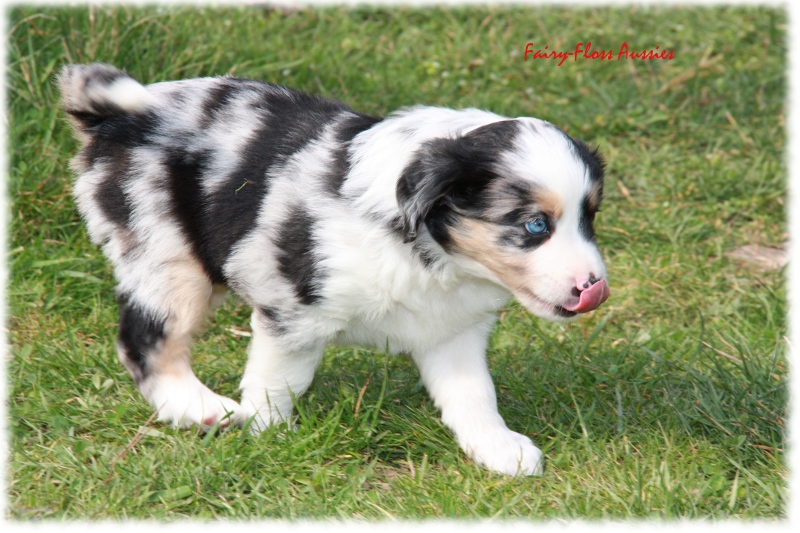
(96, 92)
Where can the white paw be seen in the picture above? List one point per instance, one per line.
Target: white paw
(186, 402)
(257, 419)
(507, 452)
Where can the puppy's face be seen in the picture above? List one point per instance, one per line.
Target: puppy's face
(518, 199)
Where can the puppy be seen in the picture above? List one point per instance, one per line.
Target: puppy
(409, 231)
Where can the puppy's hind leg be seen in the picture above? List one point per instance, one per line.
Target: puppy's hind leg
(157, 319)
(278, 369)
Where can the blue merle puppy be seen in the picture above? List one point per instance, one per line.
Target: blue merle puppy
(408, 231)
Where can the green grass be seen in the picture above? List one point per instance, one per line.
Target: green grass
(669, 401)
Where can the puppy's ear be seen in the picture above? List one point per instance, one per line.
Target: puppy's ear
(431, 174)
(592, 158)
(447, 167)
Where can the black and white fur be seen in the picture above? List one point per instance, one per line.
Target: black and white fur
(336, 227)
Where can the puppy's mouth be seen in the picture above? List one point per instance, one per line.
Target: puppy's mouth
(560, 311)
(534, 304)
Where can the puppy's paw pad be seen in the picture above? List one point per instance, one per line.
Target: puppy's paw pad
(507, 452)
(223, 421)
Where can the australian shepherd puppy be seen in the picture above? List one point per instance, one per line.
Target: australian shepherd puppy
(408, 231)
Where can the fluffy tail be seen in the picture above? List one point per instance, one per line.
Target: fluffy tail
(93, 93)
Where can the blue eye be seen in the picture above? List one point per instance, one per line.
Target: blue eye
(536, 227)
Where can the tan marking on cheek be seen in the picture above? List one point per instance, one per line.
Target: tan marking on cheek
(549, 202)
(478, 241)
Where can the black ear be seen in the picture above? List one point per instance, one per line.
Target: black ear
(450, 166)
(593, 160)
(431, 174)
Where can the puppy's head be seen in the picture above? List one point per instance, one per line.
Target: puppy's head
(517, 198)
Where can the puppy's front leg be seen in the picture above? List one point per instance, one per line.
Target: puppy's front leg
(456, 376)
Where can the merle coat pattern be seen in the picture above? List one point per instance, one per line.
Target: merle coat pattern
(336, 227)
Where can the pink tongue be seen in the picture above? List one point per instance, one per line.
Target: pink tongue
(591, 298)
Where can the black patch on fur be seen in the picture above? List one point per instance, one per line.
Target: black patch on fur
(140, 333)
(591, 158)
(109, 195)
(448, 174)
(596, 165)
(586, 221)
(516, 217)
(104, 75)
(110, 145)
(439, 221)
(514, 188)
(293, 120)
(106, 109)
(297, 260)
(395, 226)
(274, 320)
(121, 131)
(354, 124)
(87, 120)
(339, 169)
(427, 257)
(346, 130)
(218, 97)
(189, 207)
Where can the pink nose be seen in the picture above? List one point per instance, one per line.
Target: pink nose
(591, 297)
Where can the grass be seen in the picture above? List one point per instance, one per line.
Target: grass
(668, 402)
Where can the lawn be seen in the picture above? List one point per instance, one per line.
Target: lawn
(669, 401)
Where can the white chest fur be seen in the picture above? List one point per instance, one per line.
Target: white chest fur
(382, 295)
